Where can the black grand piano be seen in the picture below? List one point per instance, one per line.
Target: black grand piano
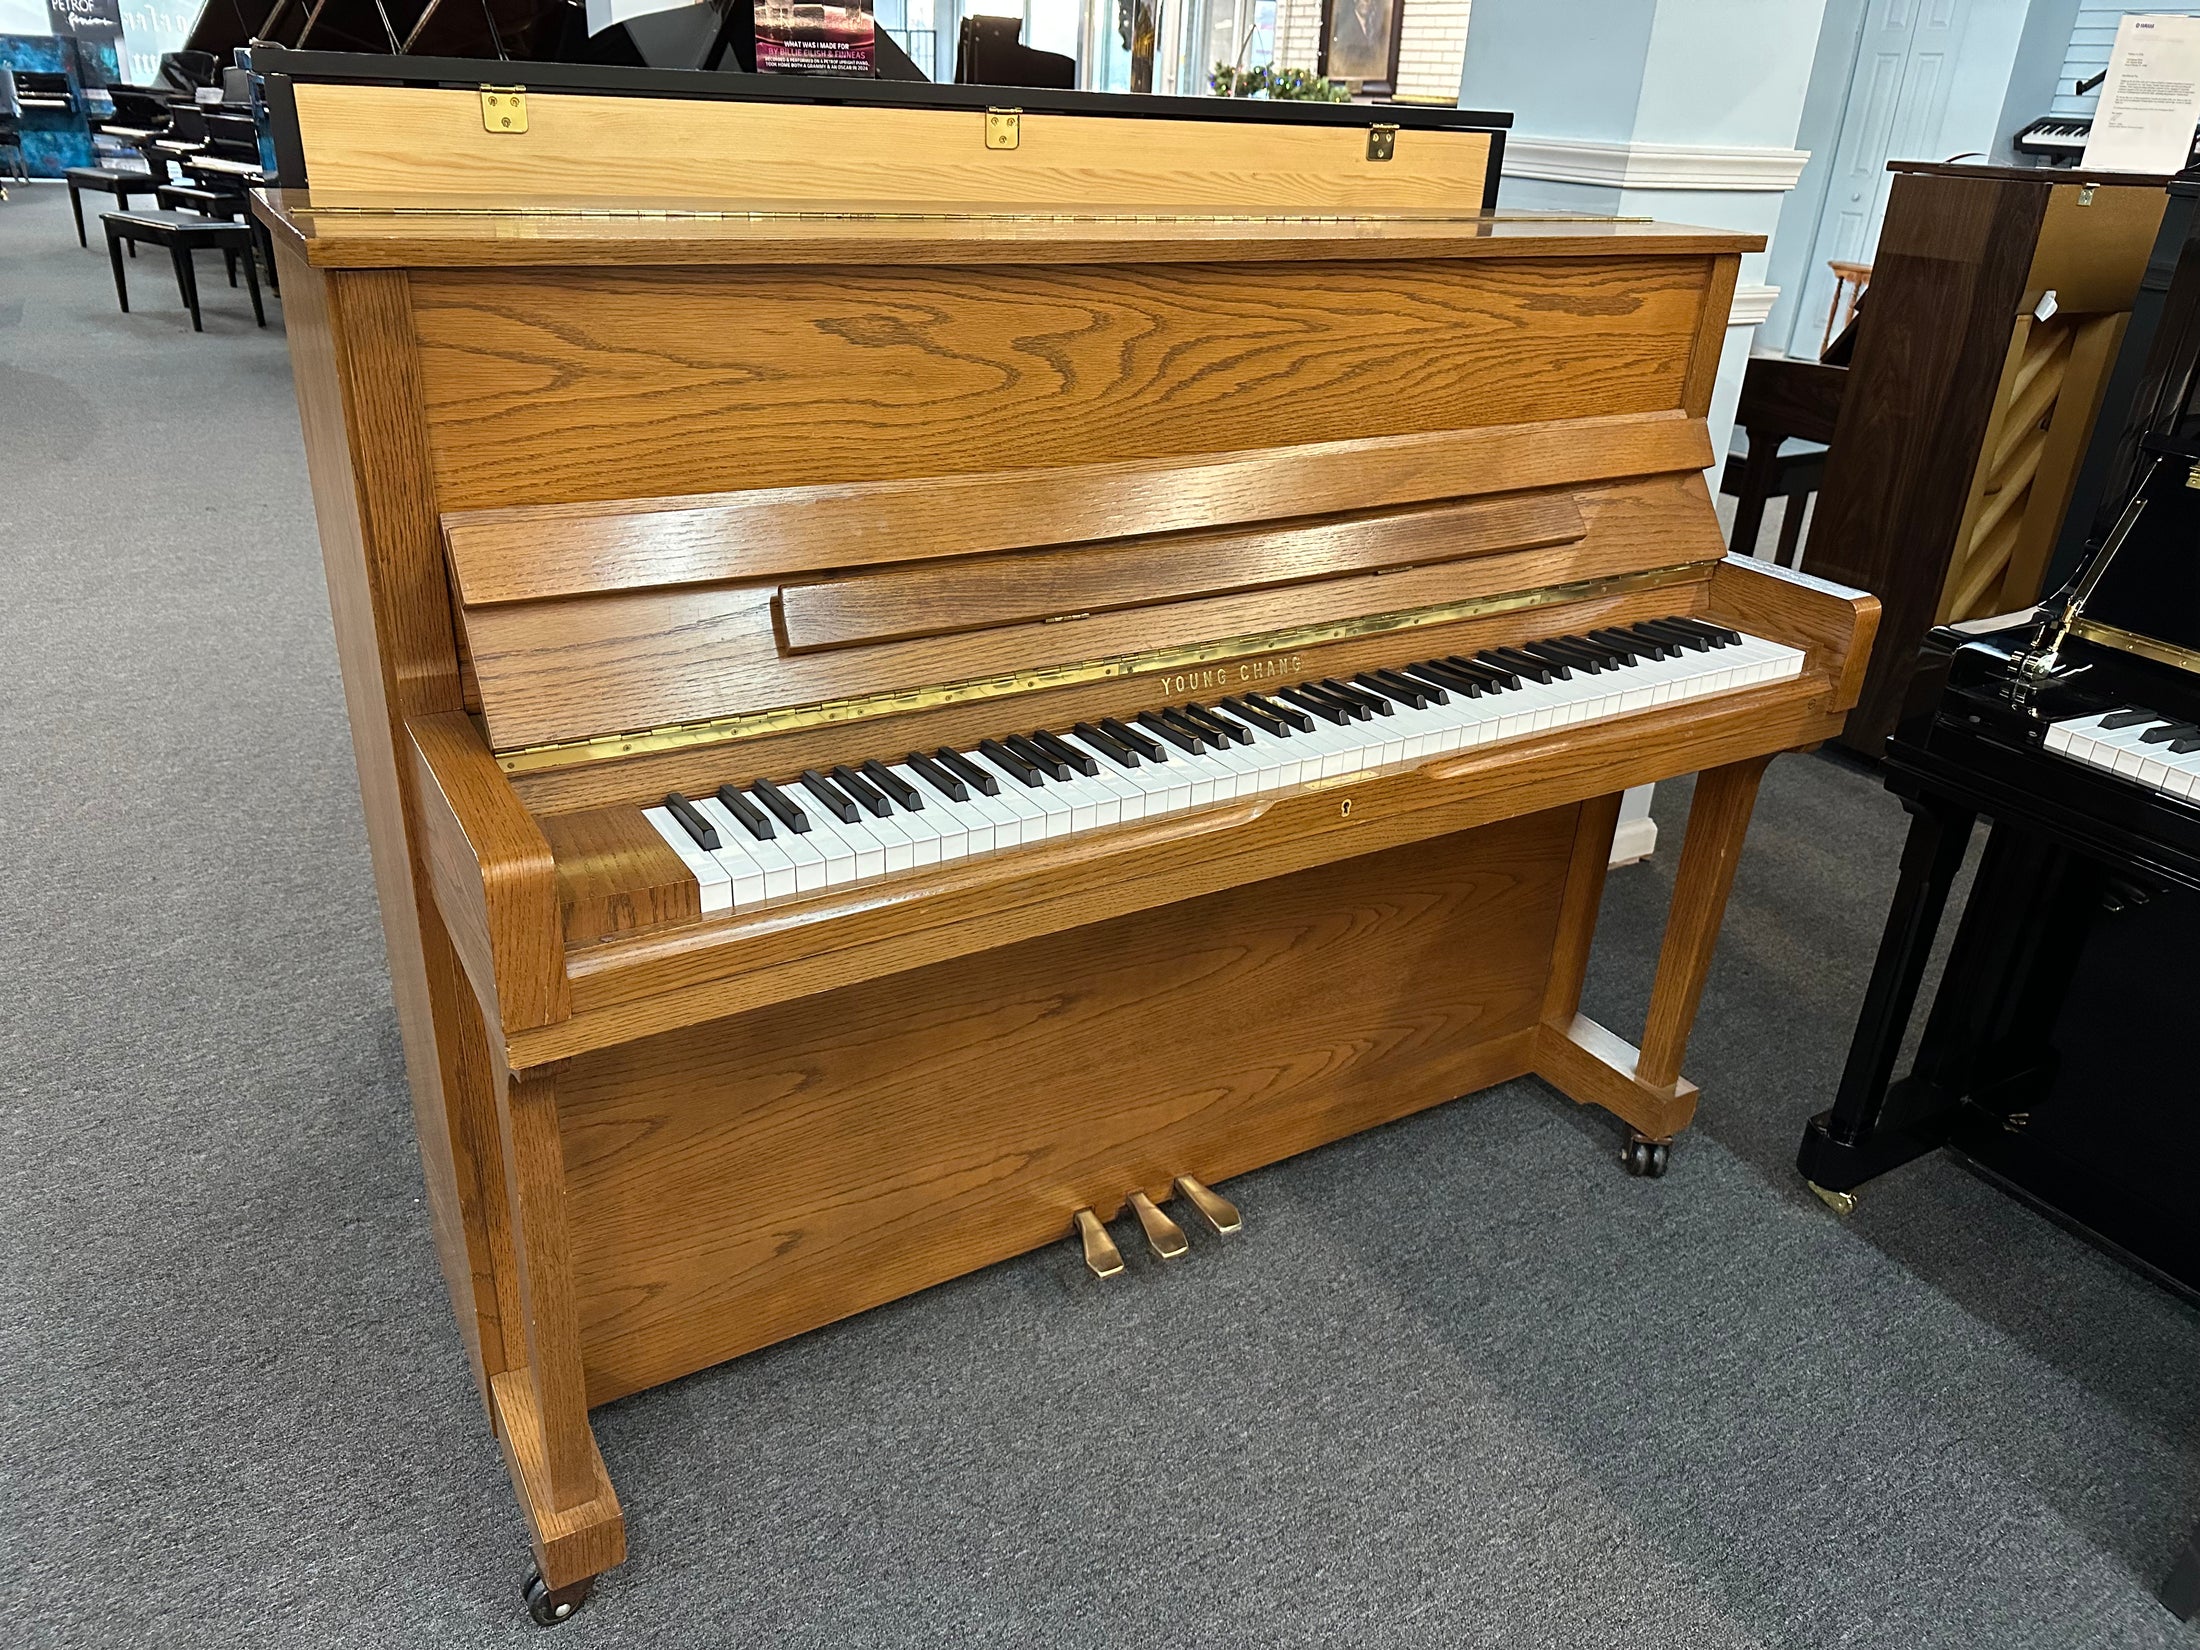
(2056, 1057)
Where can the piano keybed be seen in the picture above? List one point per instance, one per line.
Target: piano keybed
(757, 842)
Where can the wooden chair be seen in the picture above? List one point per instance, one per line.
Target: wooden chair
(1849, 282)
(1782, 401)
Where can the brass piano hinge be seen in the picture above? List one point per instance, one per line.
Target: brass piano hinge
(504, 108)
(1003, 128)
(1382, 142)
(755, 724)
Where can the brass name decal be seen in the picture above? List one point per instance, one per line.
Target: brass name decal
(1268, 668)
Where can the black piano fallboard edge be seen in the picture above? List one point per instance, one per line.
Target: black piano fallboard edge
(281, 67)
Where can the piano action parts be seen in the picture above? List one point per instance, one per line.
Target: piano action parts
(890, 737)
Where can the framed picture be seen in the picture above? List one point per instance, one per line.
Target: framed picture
(1360, 42)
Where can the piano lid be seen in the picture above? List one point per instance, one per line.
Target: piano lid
(397, 133)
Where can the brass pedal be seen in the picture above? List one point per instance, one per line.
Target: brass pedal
(1218, 1211)
(1101, 1254)
(1165, 1235)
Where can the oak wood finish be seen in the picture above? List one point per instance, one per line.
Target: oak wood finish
(1271, 1018)
(531, 552)
(411, 146)
(1934, 478)
(553, 458)
(586, 665)
(616, 876)
(901, 603)
(562, 385)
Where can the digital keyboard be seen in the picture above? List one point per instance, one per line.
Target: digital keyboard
(757, 842)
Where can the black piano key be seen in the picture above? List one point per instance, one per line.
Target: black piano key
(2184, 747)
(1010, 763)
(1053, 767)
(1629, 648)
(1374, 702)
(1114, 749)
(1560, 666)
(1695, 641)
(696, 826)
(1526, 664)
(1160, 729)
(853, 785)
(2169, 731)
(1063, 751)
(1660, 648)
(788, 811)
(1578, 653)
(1398, 691)
(821, 788)
(1231, 733)
(1289, 715)
(1316, 704)
(1132, 738)
(1458, 681)
(1272, 725)
(1350, 709)
(892, 783)
(1718, 635)
(753, 819)
(2125, 718)
(977, 778)
(937, 777)
(1508, 675)
(1190, 729)
(1396, 680)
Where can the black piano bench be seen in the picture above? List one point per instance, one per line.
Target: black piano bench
(108, 181)
(184, 233)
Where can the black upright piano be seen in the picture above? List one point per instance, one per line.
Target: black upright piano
(2056, 1056)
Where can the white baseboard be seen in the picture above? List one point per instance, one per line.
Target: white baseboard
(1636, 839)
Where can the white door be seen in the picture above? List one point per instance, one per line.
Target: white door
(1898, 95)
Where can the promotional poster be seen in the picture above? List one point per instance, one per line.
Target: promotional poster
(814, 39)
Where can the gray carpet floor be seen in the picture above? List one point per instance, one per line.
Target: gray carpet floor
(1461, 1382)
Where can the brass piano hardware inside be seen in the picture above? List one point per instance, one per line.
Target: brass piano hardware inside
(902, 701)
(2130, 641)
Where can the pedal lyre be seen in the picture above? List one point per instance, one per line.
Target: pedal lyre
(1164, 1235)
(1101, 1254)
(1217, 1210)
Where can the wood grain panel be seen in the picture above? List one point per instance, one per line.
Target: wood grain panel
(1267, 1020)
(608, 664)
(399, 146)
(606, 384)
(901, 603)
(532, 552)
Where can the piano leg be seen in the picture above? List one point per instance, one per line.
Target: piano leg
(1844, 1146)
(541, 1399)
(1594, 1066)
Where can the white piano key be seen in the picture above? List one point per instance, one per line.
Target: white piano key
(772, 870)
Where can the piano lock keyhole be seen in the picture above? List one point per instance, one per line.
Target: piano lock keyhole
(1344, 808)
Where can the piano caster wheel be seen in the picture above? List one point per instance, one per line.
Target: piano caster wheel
(551, 1605)
(1644, 1157)
(1841, 1203)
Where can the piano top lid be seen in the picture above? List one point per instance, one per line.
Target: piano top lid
(421, 134)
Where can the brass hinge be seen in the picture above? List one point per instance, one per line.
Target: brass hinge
(504, 108)
(1382, 142)
(1003, 128)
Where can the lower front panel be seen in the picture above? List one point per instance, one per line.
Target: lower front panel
(740, 1182)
